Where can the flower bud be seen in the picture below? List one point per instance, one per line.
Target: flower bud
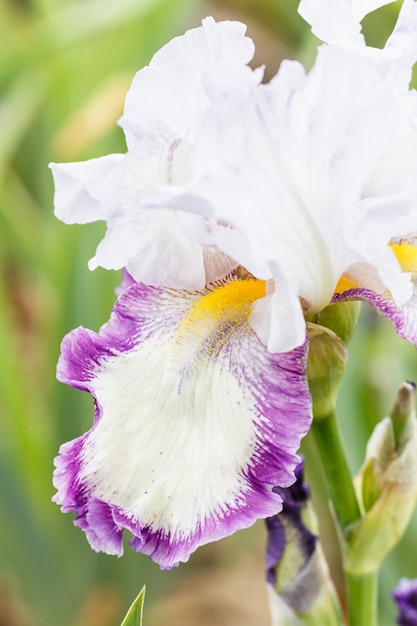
(325, 367)
(300, 588)
(386, 487)
(400, 415)
(342, 318)
(405, 595)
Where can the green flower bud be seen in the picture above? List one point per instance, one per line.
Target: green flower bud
(342, 318)
(326, 364)
(329, 332)
(402, 415)
(386, 487)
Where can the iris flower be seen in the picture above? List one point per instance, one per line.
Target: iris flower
(238, 209)
(191, 411)
(309, 183)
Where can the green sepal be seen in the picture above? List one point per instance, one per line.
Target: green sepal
(341, 317)
(326, 365)
(135, 613)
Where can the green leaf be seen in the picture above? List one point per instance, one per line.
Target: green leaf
(135, 613)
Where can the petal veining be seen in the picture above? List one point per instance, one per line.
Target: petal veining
(403, 318)
(291, 186)
(195, 421)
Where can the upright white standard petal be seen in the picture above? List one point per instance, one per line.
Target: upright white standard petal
(287, 172)
(166, 98)
(363, 7)
(400, 51)
(332, 21)
(338, 21)
(163, 107)
(392, 190)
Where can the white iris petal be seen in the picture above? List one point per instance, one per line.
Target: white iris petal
(338, 21)
(291, 186)
(163, 107)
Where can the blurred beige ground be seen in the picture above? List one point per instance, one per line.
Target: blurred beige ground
(222, 585)
(225, 587)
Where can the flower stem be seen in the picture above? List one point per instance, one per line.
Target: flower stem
(361, 589)
(339, 480)
(362, 599)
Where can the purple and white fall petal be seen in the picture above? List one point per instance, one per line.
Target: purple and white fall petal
(195, 421)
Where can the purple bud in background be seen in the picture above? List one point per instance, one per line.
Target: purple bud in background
(288, 535)
(405, 595)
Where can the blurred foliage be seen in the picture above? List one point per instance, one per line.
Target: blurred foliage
(65, 68)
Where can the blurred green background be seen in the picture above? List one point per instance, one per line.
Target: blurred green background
(65, 68)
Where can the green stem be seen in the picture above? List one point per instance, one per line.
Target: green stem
(339, 480)
(362, 599)
(361, 589)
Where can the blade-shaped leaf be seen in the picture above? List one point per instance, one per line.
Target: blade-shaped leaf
(135, 613)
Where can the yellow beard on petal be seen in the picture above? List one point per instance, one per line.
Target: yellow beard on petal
(406, 254)
(345, 283)
(207, 322)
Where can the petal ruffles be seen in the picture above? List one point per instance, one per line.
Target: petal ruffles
(163, 107)
(195, 421)
(290, 193)
(403, 318)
